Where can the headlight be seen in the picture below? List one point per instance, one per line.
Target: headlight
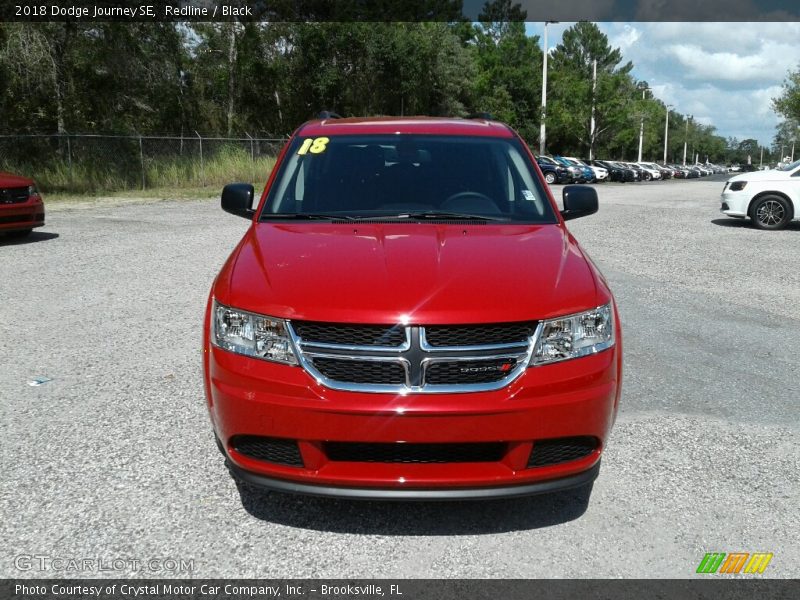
(253, 335)
(574, 336)
(737, 186)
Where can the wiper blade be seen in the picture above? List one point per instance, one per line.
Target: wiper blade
(423, 215)
(307, 217)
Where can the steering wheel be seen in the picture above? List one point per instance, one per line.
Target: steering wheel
(463, 195)
(472, 202)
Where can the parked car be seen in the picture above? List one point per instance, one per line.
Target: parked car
(678, 171)
(21, 205)
(585, 174)
(649, 173)
(638, 173)
(577, 173)
(616, 172)
(553, 171)
(347, 352)
(600, 173)
(769, 198)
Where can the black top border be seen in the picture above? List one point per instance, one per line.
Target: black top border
(143, 11)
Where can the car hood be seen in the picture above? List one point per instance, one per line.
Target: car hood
(771, 175)
(408, 272)
(9, 180)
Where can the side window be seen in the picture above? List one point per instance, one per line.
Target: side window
(527, 193)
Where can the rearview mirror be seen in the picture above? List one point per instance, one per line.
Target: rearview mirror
(237, 199)
(579, 201)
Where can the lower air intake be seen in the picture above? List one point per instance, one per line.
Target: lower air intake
(553, 452)
(274, 450)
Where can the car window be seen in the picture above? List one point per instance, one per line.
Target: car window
(390, 175)
(790, 167)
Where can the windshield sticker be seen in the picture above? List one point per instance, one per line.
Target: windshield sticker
(313, 145)
(528, 195)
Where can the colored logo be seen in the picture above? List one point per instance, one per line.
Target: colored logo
(734, 563)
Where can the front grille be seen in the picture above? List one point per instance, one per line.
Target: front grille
(413, 358)
(476, 335)
(414, 453)
(274, 450)
(13, 195)
(560, 450)
(349, 335)
(361, 371)
(468, 371)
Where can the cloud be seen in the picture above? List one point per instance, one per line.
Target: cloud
(725, 74)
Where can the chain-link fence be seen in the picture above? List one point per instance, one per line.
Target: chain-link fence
(106, 163)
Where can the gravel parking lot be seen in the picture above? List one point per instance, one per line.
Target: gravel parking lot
(114, 458)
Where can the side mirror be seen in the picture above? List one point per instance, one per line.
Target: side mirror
(237, 199)
(579, 201)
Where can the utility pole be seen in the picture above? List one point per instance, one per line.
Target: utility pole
(644, 88)
(761, 160)
(666, 132)
(542, 133)
(686, 140)
(594, 89)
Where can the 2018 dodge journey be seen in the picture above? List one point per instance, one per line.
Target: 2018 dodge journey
(408, 316)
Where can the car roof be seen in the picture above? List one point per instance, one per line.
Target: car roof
(400, 125)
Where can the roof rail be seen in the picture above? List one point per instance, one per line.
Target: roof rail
(327, 114)
(481, 115)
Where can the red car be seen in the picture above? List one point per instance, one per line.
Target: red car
(21, 206)
(408, 317)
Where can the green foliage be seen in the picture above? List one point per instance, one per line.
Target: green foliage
(266, 78)
(788, 103)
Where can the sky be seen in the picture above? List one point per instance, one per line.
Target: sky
(724, 74)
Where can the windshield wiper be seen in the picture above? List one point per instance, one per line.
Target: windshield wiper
(437, 215)
(307, 217)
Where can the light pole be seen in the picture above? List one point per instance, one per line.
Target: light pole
(542, 133)
(666, 132)
(686, 140)
(642, 86)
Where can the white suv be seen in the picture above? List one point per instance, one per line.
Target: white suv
(769, 198)
(600, 174)
(650, 171)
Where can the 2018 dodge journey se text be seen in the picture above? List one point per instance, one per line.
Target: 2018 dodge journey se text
(408, 316)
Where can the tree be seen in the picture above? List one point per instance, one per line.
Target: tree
(572, 94)
(788, 103)
(508, 83)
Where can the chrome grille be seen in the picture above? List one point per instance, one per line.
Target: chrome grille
(439, 336)
(414, 359)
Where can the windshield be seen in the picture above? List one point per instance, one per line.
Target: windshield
(410, 177)
(790, 166)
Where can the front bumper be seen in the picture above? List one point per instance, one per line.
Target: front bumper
(252, 397)
(734, 204)
(22, 216)
(514, 491)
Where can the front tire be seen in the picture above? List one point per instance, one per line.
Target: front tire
(770, 213)
(550, 178)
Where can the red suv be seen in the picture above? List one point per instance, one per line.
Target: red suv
(409, 317)
(21, 206)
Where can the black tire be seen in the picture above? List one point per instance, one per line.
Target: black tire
(550, 177)
(770, 212)
(20, 234)
(647, 177)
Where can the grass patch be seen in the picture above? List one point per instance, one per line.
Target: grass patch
(163, 177)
